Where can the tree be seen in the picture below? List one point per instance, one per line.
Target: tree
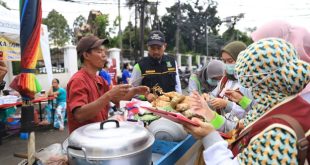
(58, 28)
(129, 41)
(128, 37)
(79, 26)
(115, 41)
(79, 21)
(234, 34)
(142, 8)
(194, 19)
(101, 24)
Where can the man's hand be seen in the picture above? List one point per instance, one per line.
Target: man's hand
(150, 97)
(118, 91)
(3, 70)
(141, 90)
(199, 131)
(218, 103)
(233, 95)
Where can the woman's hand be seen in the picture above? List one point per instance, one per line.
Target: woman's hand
(233, 95)
(200, 106)
(199, 131)
(218, 103)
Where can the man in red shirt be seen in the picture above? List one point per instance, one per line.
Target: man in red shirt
(88, 94)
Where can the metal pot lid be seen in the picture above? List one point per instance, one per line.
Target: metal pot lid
(109, 139)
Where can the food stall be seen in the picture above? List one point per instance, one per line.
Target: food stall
(145, 137)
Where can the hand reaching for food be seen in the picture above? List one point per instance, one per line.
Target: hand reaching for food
(218, 103)
(234, 95)
(200, 106)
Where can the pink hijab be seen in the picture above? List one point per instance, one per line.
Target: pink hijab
(298, 36)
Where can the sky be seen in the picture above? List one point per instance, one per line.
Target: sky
(256, 12)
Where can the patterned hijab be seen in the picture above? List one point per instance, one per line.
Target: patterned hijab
(273, 71)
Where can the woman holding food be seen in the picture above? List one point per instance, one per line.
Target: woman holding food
(221, 99)
(277, 128)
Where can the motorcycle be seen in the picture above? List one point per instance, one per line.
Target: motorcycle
(184, 78)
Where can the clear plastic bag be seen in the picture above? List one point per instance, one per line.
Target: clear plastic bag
(52, 155)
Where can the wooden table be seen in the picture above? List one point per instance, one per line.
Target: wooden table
(35, 101)
(44, 99)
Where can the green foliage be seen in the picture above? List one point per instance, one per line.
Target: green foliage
(58, 28)
(233, 34)
(101, 24)
(128, 37)
(114, 42)
(79, 21)
(77, 33)
(194, 19)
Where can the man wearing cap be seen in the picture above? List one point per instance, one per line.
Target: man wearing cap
(89, 96)
(157, 69)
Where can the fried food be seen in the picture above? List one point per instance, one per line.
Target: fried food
(176, 100)
(161, 103)
(157, 90)
(182, 107)
(189, 114)
(187, 100)
(172, 94)
(164, 98)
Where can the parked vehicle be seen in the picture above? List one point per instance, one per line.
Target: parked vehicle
(184, 78)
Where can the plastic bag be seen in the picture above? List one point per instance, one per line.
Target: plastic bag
(52, 155)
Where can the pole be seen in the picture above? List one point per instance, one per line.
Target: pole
(177, 35)
(135, 37)
(142, 28)
(207, 41)
(119, 25)
(156, 17)
(207, 38)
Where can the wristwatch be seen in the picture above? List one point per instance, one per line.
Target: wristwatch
(2, 85)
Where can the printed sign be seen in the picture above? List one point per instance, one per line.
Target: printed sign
(112, 71)
(9, 51)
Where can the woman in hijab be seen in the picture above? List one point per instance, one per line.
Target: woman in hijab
(206, 79)
(298, 36)
(276, 76)
(228, 111)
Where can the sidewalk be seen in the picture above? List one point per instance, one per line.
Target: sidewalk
(14, 144)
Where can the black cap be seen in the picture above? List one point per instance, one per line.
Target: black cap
(156, 38)
(89, 42)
